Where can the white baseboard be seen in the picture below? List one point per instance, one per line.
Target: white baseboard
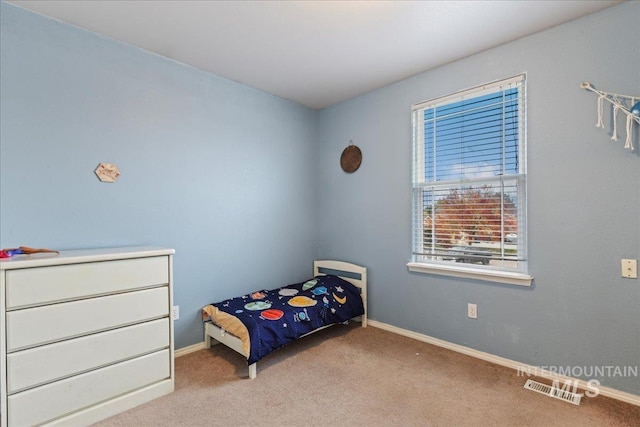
(604, 391)
(189, 349)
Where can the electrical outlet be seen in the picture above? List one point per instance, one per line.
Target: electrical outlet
(472, 311)
(630, 268)
(175, 314)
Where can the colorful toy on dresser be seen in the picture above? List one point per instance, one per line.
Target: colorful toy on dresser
(23, 250)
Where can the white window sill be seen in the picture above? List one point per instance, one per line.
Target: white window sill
(508, 277)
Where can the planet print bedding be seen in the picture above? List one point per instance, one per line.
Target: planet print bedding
(266, 320)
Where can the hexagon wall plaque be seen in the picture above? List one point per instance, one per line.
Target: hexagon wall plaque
(107, 172)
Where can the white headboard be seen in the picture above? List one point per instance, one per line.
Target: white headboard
(346, 267)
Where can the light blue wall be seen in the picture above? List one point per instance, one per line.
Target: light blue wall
(212, 168)
(584, 203)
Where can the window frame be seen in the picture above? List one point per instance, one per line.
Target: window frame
(501, 274)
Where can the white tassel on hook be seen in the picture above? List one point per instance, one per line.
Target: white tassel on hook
(600, 124)
(614, 137)
(628, 143)
(619, 102)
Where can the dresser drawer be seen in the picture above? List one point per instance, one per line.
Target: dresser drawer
(54, 400)
(37, 286)
(42, 325)
(39, 365)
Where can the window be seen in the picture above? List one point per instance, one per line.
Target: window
(469, 181)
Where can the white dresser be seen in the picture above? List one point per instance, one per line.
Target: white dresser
(85, 334)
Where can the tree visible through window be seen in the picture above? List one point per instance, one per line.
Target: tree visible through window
(469, 177)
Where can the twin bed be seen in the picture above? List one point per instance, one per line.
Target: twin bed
(256, 324)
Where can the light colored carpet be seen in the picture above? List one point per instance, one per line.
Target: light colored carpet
(352, 376)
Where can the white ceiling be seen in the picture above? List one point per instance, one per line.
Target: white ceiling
(316, 53)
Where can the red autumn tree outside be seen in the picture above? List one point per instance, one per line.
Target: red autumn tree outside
(471, 214)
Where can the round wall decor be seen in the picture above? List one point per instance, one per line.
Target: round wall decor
(351, 159)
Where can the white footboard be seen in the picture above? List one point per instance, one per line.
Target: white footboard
(218, 334)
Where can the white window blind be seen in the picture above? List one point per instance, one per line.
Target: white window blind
(469, 177)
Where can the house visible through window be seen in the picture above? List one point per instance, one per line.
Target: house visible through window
(469, 178)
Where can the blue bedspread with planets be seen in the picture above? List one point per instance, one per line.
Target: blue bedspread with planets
(276, 317)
